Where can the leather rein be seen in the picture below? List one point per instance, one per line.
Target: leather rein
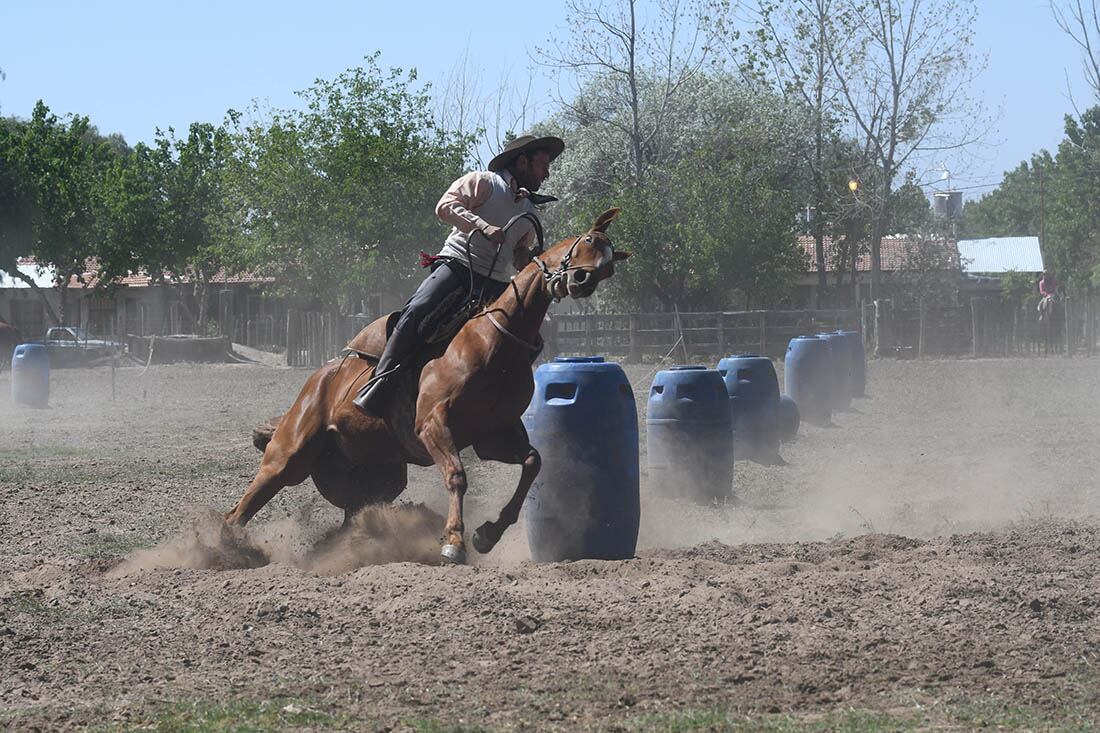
(550, 277)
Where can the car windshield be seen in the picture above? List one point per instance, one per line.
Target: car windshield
(80, 333)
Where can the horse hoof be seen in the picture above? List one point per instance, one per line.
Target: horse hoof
(453, 554)
(481, 540)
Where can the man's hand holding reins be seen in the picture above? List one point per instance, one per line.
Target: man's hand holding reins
(496, 235)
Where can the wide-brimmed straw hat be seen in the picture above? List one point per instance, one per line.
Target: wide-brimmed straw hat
(526, 144)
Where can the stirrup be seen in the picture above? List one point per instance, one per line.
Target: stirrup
(372, 392)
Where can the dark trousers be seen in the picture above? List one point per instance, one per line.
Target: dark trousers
(444, 290)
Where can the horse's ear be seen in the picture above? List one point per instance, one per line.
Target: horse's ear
(621, 254)
(604, 219)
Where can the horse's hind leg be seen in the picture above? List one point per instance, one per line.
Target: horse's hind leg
(288, 458)
(509, 446)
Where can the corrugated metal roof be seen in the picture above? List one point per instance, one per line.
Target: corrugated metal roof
(1001, 254)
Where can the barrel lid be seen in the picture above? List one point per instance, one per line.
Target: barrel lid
(578, 360)
(685, 368)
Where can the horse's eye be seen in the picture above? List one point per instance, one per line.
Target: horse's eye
(588, 240)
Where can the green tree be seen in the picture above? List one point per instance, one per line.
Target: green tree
(1019, 289)
(904, 71)
(639, 59)
(130, 216)
(1013, 209)
(930, 271)
(16, 198)
(790, 53)
(1073, 218)
(199, 235)
(59, 162)
(713, 220)
(339, 198)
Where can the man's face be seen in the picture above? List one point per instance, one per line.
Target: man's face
(532, 170)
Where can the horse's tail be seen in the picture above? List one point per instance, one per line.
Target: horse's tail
(261, 434)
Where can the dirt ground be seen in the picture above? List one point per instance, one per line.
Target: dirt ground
(928, 562)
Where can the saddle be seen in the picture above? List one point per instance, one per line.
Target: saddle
(436, 332)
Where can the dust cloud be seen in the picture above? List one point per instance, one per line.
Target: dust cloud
(938, 448)
(375, 536)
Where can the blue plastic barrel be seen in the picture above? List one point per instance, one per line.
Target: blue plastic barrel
(30, 375)
(787, 419)
(854, 341)
(584, 502)
(840, 369)
(806, 377)
(753, 390)
(689, 435)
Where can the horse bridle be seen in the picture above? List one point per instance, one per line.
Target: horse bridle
(552, 277)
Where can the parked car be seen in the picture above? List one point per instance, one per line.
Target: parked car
(74, 345)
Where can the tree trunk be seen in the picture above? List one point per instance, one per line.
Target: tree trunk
(14, 272)
(876, 257)
(202, 293)
(635, 113)
(62, 291)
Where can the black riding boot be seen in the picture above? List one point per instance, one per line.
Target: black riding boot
(372, 397)
(444, 280)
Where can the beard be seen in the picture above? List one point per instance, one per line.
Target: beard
(526, 180)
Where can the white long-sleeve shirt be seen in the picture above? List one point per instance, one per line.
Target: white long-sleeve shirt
(475, 201)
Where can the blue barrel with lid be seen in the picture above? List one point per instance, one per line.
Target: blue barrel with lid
(840, 370)
(787, 419)
(853, 340)
(30, 375)
(753, 391)
(689, 435)
(585, 502)
(806, 378)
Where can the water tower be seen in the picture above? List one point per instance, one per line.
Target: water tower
(947, 204)
(947, 207)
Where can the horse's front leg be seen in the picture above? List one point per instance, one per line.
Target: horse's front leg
(508, 446)
(435, 434)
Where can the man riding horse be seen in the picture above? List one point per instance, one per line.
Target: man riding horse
(469, 267)
(467, 392)
(1049, 293)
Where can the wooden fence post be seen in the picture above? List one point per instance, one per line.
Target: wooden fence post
(763, 334)
(721, 335)
(1068, 327)
(920, 328)
(635, 356)
(974, 327)
(880, 327)
(1089, 334)
(290, 337)
(680, 333)
(550, 348)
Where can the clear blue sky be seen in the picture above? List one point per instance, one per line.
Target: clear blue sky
(132, 67)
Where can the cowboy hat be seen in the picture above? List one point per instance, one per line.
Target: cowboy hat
(526, 144)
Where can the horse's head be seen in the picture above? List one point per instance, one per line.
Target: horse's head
(574, 267)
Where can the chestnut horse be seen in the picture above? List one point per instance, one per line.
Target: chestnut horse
(470, 392)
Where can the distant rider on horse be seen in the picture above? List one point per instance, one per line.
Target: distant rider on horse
(1048, 285)
(478, 205)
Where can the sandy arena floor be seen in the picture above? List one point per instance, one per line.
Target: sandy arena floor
(931, 561)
